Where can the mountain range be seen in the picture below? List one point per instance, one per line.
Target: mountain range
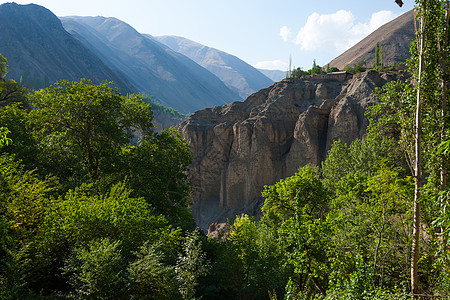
(275, 75)
(42, 49)
(173, 79)
(234, 72)
(41, 52)
(177, 72)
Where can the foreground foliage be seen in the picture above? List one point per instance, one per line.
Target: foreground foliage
(94, 204)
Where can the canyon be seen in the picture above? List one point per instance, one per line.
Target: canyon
(240, 147)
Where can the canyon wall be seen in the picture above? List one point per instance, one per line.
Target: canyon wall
(241, 147)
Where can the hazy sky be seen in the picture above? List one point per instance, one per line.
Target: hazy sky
(263, 33)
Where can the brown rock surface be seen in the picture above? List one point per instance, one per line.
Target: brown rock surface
(240, 147)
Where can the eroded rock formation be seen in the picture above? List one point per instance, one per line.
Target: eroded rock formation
(241, 147)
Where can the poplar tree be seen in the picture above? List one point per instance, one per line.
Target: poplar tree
(381, 57)
(377, 56)
(431, 74)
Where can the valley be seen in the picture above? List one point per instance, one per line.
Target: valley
(140, 166)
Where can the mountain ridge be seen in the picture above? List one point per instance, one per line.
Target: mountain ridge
(35, 43)
(169, 77)
(395, 37)
(234, 72)
(275, 75)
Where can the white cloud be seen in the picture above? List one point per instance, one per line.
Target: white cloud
(337, 31)
(271, 65)
(285, 33)
(378, 19)
(321, 30)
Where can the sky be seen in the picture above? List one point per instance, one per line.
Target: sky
(263, 33)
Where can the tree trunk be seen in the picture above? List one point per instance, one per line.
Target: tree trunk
(444, 69)
(417, 167)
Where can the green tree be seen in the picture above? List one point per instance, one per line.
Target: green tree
(389, 202)
(297, 73)
(377, 57)
(82, 216)
(4, 139)
(298, 206)
(252, 253)
(288, 196)
(332, 69)
(75, 220)
(15, 117)
(88, 133)
(426, 126)
(10, 91)
(360, 157)
(191, 265)
(373, 220)
(378, 65)
(96, 272)
(157, 170)
(316, 69)
(243, 240)
(3, 67)
(23, 196)
(114, 178)
(381, 58)
(358, 68)
(150, 276)
(82, 128)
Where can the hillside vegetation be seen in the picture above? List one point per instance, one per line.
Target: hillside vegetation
(88, 212)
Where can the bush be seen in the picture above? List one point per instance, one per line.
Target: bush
(150, 277)
(96, 272)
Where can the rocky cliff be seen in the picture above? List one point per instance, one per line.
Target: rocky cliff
(240, 147)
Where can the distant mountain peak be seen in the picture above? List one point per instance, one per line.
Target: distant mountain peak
(234, 72)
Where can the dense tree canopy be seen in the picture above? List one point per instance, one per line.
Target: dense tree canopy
(85, 184)
(82, 128)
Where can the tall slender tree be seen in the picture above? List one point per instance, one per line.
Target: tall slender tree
(417, 165)
(431, 115)
(377, 56)
(381, 58)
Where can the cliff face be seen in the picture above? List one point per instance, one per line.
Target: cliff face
(240, 147)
